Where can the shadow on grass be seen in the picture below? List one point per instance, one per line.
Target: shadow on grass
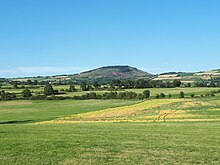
(17, 122)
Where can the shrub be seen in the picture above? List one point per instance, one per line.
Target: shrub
(26, 93)
(157, 96)
(182, 95)
(146, 94)
(169, 95)
(162, 95)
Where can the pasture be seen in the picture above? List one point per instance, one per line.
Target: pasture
(69, 132)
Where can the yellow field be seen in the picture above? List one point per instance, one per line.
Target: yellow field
(151, 111)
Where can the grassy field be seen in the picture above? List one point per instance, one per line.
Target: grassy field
(111, 143)
(162, 110)
(110, 132)
(32, 111)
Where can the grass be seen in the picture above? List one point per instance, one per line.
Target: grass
(128, 137)
(156, 110)
(111, 143)
(32, 111)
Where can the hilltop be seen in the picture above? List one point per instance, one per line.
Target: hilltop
(107, 73)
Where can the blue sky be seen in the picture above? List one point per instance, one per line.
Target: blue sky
(44, 37)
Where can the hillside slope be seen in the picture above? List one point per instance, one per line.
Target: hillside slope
(112, 72)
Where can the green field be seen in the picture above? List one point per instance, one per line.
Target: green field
(40, 110)
(78, 132)
(111, 143)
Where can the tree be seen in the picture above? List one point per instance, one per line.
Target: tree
(48, 90)
(26, 93)
(169, 95)
(84, 87)
(116, 83)
(182, 94)
(96, 85)
(146, 94)
(212, 84)
(162, 95)
(157, 96)
(176, 83)
(35, 82)
(15, 85)
(29, 82)
(72, 88)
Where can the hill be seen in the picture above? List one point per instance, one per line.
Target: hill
(107, 73)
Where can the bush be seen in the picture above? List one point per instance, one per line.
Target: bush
(157, 96)
(146, 94)
(26, 93)
(192, 95)
(182, 95)
(48, 90)
(162, 95)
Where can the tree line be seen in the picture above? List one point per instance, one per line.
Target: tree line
(50, 94)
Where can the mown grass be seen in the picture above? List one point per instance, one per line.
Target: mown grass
(111, 143)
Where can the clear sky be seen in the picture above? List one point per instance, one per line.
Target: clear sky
(44, 37)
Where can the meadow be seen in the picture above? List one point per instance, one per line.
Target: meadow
(68, 132)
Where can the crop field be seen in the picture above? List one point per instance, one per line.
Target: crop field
(69, 132)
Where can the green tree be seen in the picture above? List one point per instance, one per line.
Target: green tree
(169, 95)
(96, 85)
(26, 93)
(48, 90)
(157, 96)
(182, 95)
(162, 95)
(84, 87)
(72, 88)
(29, 82)
(146, 94)
(176, 83)
(15, 85)
(212, 84)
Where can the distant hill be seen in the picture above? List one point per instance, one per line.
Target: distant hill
(112, 72)
(107, 73)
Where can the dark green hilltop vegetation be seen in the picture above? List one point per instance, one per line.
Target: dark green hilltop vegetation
(104, 74)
